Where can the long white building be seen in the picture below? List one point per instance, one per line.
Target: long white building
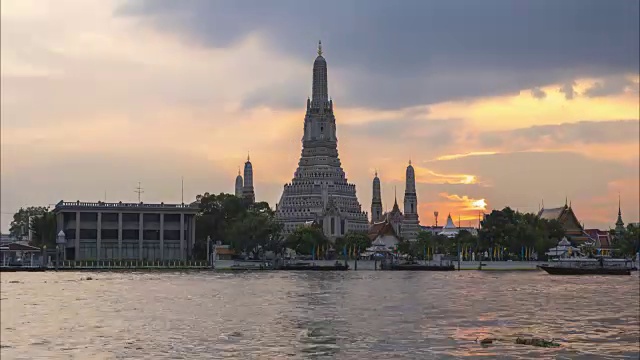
(126, 231)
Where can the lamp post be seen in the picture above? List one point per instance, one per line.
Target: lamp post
(458, 252)
(61, 240)
(208, 249)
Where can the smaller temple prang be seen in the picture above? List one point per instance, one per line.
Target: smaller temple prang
(619, 223)
(376, 200)
(411, 222)
(239, 184)
(247, 189)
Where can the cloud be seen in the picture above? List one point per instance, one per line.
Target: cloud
(423, 51)
(611, 86)
(548, 136)
(431, 177)
(431, 133)
(538, 93)
(568, 90)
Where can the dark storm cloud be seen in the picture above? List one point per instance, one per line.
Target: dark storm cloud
(434, 133)
(396, 54)
(611, 86)
(584, 132)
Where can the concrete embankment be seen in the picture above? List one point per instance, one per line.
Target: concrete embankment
(368, 265)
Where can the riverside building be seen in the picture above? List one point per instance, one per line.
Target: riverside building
(126, 231)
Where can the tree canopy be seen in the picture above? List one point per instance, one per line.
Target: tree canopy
(247, 227)
(305, 239)
(353, 240)
(19, 227)
(628, 243)
(501, 229)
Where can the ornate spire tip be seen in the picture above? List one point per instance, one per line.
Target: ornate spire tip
(319, 47)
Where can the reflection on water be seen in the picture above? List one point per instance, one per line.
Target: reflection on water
(317, 315)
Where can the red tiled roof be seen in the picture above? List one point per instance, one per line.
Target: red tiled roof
(601, 237)
(381, 228)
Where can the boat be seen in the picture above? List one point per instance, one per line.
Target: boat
(249, 265)
(414, 266)
(22, 268)
(301, 266)
(589, 266)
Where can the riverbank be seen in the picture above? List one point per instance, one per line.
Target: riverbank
(369, 265)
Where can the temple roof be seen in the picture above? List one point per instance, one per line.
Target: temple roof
(380, 229)
(601, 237)
(551, 214)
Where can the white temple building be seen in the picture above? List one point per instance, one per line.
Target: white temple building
(563, 249)
(449, 230)
(319, 190)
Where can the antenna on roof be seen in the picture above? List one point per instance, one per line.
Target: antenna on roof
(182, 188)
(139, 191)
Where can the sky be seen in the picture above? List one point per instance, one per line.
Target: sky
(496, 103)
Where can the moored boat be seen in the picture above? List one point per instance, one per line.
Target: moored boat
(589, 266)
(313, 267)
(445, 264)
(417, 267)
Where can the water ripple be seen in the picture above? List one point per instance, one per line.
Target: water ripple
(342, 315)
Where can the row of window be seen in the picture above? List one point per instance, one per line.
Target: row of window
(113, 217)
(129, 252)
(112, 234)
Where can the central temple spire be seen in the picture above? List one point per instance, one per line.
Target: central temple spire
(319, 191)
(320, 88)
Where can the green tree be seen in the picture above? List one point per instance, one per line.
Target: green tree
(305, 239)
(405, 247)
(628, 243)
(19, 227)
(354, 239)
(514, 230)
(44, 230)
(215, 219)
(247, 234)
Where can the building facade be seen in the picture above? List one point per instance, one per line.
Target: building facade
(126, 231)
(319, 191)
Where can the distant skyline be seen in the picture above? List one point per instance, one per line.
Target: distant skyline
(496, 103)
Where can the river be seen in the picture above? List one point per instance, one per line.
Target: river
(316, 315)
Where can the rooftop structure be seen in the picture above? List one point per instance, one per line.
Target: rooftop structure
(126, 231)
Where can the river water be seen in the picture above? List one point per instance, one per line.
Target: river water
(316, 315)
